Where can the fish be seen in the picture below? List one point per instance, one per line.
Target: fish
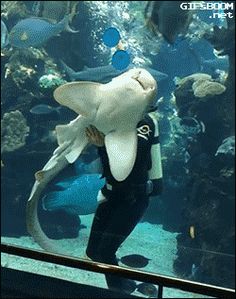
(168, 18)
(78, 195)
(34, 32)
(94, 166)
(147, 289)
(4, 35)
(104, 74)
(134, 260)
(114, 108)
(44, 109)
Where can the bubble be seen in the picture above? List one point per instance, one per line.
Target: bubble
(111, 37)
(120, 59)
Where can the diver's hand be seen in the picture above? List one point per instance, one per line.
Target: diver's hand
(94, 136)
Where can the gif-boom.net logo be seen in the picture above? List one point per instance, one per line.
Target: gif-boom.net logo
(220, 10)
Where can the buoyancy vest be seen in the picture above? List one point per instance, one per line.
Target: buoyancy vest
(148, 166)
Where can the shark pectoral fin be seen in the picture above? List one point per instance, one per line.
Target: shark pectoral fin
(65, 133)
(122, 150)
(82, 97)
(72, 138)
(62, 133)
(76, 150)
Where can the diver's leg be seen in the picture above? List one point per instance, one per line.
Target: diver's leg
(125, 216)
(100, 222)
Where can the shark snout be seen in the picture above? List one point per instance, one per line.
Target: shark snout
(145, 79)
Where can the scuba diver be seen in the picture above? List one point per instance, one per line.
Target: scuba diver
(122, 204)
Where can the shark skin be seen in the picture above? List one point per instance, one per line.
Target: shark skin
(115, 109)
(104, 74)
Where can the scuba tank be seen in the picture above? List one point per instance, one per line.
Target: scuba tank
(155, 174)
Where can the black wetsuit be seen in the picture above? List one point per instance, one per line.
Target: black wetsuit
(116, 217)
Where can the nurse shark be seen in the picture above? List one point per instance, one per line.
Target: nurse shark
(114, 109)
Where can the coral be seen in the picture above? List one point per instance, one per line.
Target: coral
(195, 91)
(14, 131)
(21, 68)
(22, 74)
(25, 67)
(13, 9)
(203, 88)
(50, 81)
(194, 77)
(209, 205)
(184, 95)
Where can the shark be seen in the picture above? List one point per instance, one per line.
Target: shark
(104, 74)
(114, 108)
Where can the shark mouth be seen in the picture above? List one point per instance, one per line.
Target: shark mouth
(140, 83)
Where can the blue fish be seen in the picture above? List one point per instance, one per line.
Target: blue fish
(33, 32)
(87, 168)
(104, 74)
(76, 195)
(4, 35)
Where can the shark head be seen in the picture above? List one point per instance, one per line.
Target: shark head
(125, 99)
(137, 82)
(119, 103)
(114, 108)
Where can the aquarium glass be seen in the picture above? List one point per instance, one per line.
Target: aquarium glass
(58, 64)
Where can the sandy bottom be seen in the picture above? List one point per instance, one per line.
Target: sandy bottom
(147, 239)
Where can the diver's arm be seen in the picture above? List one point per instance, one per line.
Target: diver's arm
(94, 136)
(157, 183)
(97, 138)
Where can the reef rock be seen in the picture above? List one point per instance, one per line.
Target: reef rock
(14, 131)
